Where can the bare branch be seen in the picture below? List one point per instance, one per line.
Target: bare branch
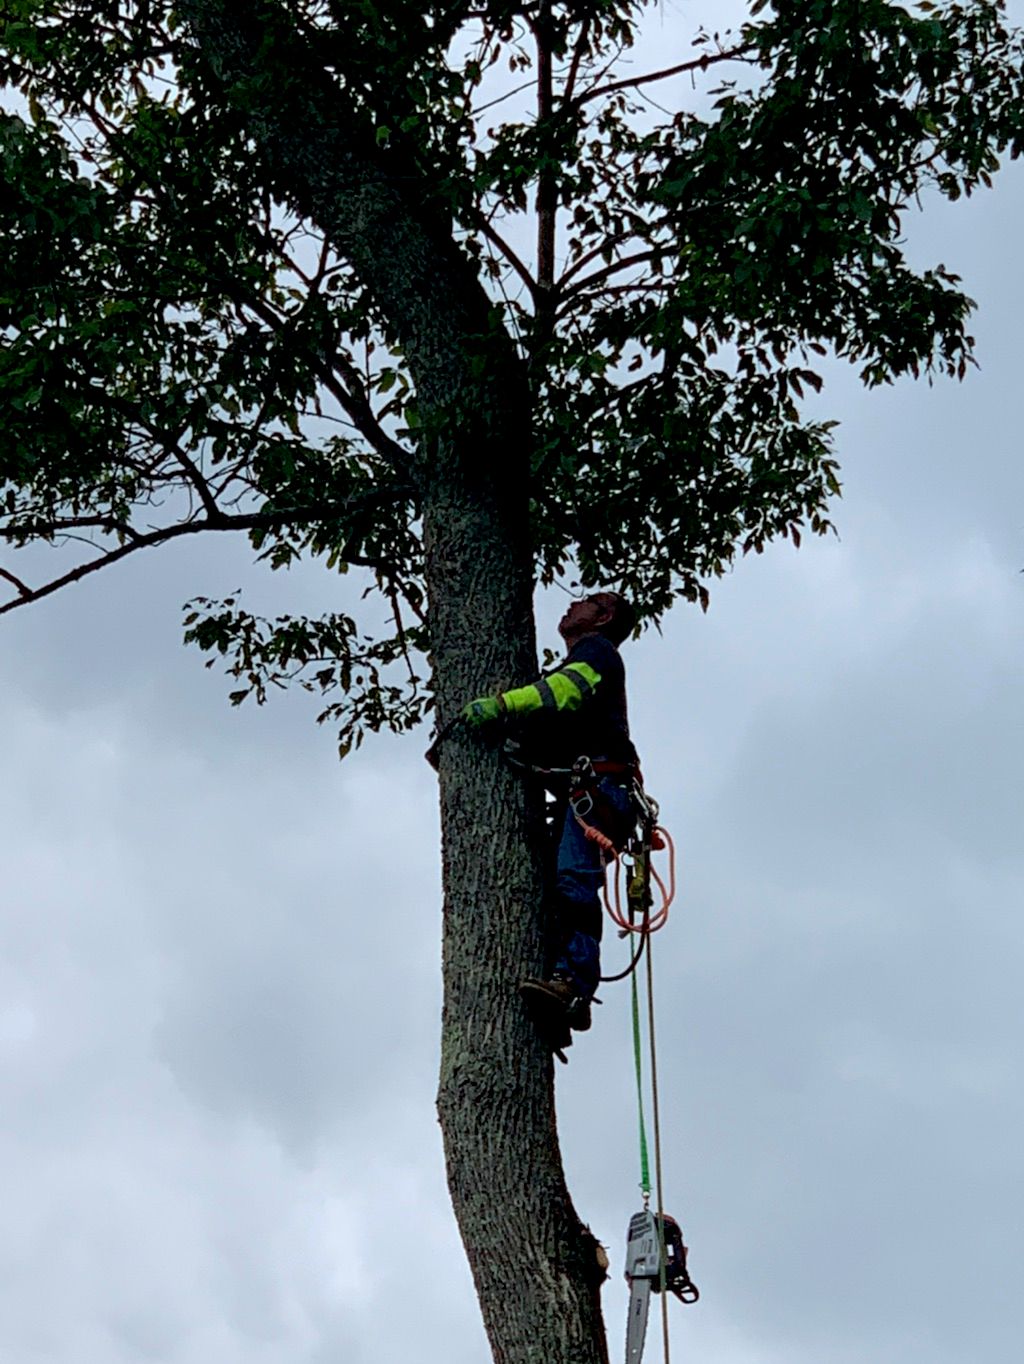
(480, 221)
(243, 521)
(599, 276)
(581, 262)
(60, 525)
(577, 58)
(500, 99)
(200, 484)
(609, 64)
(640, 287)
(352, 400)
(170, 446)
(547, 185)
(25, 591)
(698, 64)
(392, 595)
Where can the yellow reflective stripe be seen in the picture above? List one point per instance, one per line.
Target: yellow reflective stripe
(523, 700)
(587, 675)
(565, 690)
(547, 696)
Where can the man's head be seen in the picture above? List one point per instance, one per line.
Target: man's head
(602, 613)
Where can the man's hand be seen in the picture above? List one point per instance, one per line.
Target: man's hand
(483, 711)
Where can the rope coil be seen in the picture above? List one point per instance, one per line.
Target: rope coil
(638, 890)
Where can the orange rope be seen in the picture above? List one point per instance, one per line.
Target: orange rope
(596, 836)
(651, 922)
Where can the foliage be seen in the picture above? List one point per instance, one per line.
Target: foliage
(182, 353)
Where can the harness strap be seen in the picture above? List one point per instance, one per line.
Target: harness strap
(605, 767)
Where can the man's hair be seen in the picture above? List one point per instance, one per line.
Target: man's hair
(623, 618)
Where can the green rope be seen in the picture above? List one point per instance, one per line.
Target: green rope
(657, 1153)
(645, 1169)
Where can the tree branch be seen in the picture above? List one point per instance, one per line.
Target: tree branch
(352, 400)
(698, 64)
(599, 276)
(619, 239)
(376, 207)
(22, 588)
(479, 221)
(577, 58)
(242, 521)
(547, 187)
(202, 487)
(46, 530)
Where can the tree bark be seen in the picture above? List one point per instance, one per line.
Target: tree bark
(534, 1265)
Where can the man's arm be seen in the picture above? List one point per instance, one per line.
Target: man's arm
(565, 690)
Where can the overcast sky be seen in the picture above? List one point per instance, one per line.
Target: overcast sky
(219, 977)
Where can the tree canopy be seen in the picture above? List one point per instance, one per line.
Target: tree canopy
(187, 347)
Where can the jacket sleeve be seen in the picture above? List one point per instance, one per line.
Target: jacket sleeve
(565, 690)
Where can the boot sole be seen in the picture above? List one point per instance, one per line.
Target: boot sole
(548, 1014)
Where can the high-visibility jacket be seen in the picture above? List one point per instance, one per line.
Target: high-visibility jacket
(579, 707)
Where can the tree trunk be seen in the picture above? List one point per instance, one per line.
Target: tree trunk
(534, 1265)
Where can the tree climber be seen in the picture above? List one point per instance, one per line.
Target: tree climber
(571, 715)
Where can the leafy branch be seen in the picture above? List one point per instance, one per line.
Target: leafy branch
(326, 657)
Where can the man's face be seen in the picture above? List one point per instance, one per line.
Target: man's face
(586, 616)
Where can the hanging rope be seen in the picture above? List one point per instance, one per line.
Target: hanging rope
(633, 963)
(637, 919)
(645, 1168)
(645, 871)
(655, 1109)
(641, 922)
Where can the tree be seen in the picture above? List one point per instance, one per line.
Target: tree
(266, 270)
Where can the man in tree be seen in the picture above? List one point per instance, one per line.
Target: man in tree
(258, 275)
(574, 720)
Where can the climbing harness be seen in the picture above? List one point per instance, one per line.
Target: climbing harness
(634, 857)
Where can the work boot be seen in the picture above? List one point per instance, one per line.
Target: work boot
(558, 990)
(556, 998)
(579, 1014)
(547, 1006)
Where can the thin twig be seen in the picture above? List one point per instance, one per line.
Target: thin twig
(599, 276)
(698, 64)
(25, 591)
(399, 626)
(62, 524)
(495, 238)
(574, 66)
(526, 85)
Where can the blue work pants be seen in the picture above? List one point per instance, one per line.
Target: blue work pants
(579, 878)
